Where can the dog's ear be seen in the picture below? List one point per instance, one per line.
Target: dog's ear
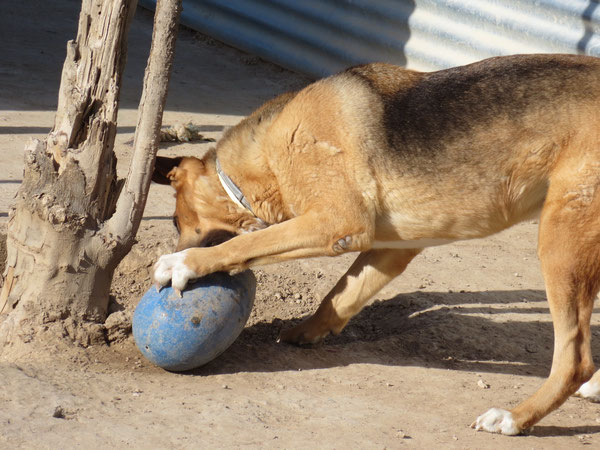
(163, 169)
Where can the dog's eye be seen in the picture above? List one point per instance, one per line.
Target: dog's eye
(197, 230)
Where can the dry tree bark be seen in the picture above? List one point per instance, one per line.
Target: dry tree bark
(73, 220)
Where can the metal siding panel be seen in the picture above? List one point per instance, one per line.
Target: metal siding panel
(320, 37)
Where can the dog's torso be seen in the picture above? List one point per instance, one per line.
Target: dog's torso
(437, 157)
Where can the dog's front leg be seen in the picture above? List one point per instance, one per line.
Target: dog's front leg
(305, 236)
(370, 272)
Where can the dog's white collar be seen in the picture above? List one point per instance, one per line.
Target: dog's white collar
(232, 190)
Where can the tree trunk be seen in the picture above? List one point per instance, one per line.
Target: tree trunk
(65, 232)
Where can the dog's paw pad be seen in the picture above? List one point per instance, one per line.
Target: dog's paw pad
(590, 391)
(342, 244)
(497, 420)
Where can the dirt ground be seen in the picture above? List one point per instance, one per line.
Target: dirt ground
(465, 328)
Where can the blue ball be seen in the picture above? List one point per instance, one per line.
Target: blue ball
(184, 333)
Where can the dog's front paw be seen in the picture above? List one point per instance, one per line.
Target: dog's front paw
(173, 268)
(497, 420)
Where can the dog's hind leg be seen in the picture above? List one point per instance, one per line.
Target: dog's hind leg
(370, 272)
(569, 250)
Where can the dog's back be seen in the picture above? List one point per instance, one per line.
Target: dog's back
(429, 114)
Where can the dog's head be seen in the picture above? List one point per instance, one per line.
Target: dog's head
(204, 214)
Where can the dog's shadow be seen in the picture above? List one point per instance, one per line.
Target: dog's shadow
(467, 331)
(474, 331)
(552, 431)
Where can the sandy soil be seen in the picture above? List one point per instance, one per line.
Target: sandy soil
(465, 328)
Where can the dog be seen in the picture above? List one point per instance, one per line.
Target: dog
(386, 161)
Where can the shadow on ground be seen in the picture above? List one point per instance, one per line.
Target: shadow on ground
(460, 331)
(194, 86)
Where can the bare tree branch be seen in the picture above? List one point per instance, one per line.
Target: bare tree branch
(85, 124)
(123, 225)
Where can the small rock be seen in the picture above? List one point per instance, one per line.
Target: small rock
(531, 348)
(118, 326)
(482, 384)
(59, 412)
(584, 439)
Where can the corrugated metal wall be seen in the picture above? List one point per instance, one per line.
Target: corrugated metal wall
(319, 37)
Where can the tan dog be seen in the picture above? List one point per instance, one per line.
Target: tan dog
(386, 161)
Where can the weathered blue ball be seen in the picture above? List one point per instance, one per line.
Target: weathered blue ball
(184, 333)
